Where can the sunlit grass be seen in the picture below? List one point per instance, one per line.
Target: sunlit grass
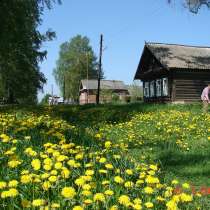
(106, 157)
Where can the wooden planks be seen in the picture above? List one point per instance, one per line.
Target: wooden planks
(189, 85)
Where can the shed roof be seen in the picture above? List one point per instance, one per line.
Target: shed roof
(104, 84)
(181, 56)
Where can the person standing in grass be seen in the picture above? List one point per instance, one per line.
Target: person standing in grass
(205, 97)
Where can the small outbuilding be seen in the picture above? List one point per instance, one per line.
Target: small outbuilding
(108, 89)
(173, 73)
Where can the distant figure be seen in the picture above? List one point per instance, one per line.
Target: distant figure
(205, 98)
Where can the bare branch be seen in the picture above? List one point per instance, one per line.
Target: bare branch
(195, 5)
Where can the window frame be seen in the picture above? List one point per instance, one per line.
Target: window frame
(165, 88)
(158, 87)
(152, 88)
(146, 89)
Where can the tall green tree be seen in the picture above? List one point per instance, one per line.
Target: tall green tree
(20, 48)
(76, 61)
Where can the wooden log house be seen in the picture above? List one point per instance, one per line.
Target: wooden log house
(173, 73)
(88, 90)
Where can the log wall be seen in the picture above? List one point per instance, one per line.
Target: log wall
(188, 85)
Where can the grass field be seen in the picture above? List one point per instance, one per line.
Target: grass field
(134, 156)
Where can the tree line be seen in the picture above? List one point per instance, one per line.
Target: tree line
(21, 53)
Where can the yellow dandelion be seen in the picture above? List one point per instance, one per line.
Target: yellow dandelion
(79, 182)
(152, 180)
(86, 187)
(171, 205)
(129, 172)
(109, 166)
(25, 203)
(79, 156)
(12, 192)
(108, 144)
(68, 192)
(153, 167)
(109, 192)
(149, 205)
(55, 205)
(124, 200)
(102, 160)
(160, 198)
(186, 185)
(102, 171)
(36, 164)
(13, 183)
(87, 201)
(105, 182)
(25, 179)
(54, 172)
(175, 182)
(99, 197)
(98, 135)
(47, 167)
(89, 172)
(148, 190)
(139, 182)
(137, 201)
(78, 208)
(52, 178)
(137, 206)
(46, 185)
(118, 179)
(58, 165)
(185, 197)
(65, 173)
(3, 185)
(38, 202)
(129, 184)
(14, 163)
(86, 193)
(115, 207)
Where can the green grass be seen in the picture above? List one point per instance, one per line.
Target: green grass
(173, 136)
(192, 166)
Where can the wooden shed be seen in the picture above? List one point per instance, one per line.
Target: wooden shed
(173, 73)
(88, 90)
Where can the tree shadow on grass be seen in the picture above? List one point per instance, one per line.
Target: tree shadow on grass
(92, 115)
(176, 158)
(193, 167)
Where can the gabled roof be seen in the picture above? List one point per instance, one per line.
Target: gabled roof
(181, 56)
(104, 85)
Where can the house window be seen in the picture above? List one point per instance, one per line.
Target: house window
(165, 86)
(152, 88)
(158, 87)
(146, 89)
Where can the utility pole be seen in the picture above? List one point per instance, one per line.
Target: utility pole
(52, 97)
(87, 76)
(99, 70)
(64, 88)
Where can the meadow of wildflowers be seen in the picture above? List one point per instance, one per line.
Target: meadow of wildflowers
(45, 163)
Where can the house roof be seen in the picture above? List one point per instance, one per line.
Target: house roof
(104, 84)
(181, 56)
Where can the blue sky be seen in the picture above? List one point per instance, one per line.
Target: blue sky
(126, 25)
